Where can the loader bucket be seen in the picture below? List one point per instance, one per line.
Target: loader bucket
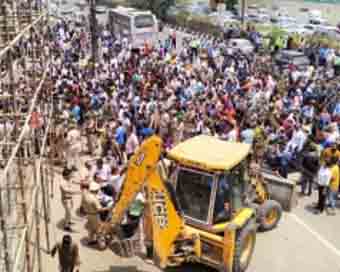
(282, 190)
(127, 248)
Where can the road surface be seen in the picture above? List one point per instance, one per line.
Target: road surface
(303, 241)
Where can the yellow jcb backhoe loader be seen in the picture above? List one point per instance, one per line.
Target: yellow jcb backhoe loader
(204, 213)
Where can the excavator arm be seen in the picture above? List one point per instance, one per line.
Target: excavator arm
(139, 169)
(167, 223)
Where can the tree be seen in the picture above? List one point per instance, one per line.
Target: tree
(158, 7)
(230, 4)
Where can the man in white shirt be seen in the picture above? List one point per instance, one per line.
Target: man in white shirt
(324, 178)
(102, 171)
(131, 142)
(232, 134)
(298, 140)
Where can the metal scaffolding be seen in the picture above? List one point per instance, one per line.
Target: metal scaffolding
(26, 110)
(15, 15)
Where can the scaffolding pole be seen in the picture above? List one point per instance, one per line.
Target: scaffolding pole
(4, 233)
(24, 180)
(24, 209)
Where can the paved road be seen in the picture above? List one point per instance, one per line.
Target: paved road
(302, 242)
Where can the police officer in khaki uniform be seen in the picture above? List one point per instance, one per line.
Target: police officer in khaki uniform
(92, 208)
(67, 193)
(74, 146)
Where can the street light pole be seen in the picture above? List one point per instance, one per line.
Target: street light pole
(93, 30)
(243, 13)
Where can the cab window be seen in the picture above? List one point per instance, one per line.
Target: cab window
(240, 178)
(230, 193)
(193, 191)
(222, 211)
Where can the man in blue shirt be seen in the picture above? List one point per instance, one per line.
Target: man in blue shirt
(76, 112)
(146, 132)
(120, 135)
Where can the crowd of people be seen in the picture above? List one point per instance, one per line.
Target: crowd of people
(178, 89)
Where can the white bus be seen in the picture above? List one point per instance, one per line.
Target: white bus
(137, 26)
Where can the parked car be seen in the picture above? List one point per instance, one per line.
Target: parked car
(317, 21)
(283, 20)
(253, 7)
(304, 9)
(264, 10)
(310, 27)
(258, 17)
(297, 29)
(244, 45)
(331, 32)
(67, 11)
(284, 58)
(100, 9)
(327, 29)
(314, 13)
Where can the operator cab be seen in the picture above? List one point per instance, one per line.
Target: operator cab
(210, 184)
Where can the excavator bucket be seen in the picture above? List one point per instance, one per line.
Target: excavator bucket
(282, 190)
(166, 220)
(127, 248)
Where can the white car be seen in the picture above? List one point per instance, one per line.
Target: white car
(285, 25)
(244, 45)
(325, 28)
(299, 30)
(317, 21)
(328, 30)
(310, 27)
(314, 13)
(283, 20)
(253, 6)
(258, 17)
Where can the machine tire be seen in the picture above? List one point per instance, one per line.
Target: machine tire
(269, 215)
(244, 246)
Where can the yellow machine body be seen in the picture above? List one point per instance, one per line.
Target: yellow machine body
(178, 237)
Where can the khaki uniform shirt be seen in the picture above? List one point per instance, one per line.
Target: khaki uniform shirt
(74, 139)
(92, 207)
(66, 190)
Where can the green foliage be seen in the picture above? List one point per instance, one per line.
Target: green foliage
(277, 37)
(197, 23)
(158, 7)
(229, 4)
(277, 33)
(182, 18)
(203, 24)
(323, 40)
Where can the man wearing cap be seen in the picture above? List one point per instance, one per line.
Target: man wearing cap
(134, 213)
(67, 198)
(93, 208)
(330, 152)
(68, 252)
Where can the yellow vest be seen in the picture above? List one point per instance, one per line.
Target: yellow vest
(334, 184)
